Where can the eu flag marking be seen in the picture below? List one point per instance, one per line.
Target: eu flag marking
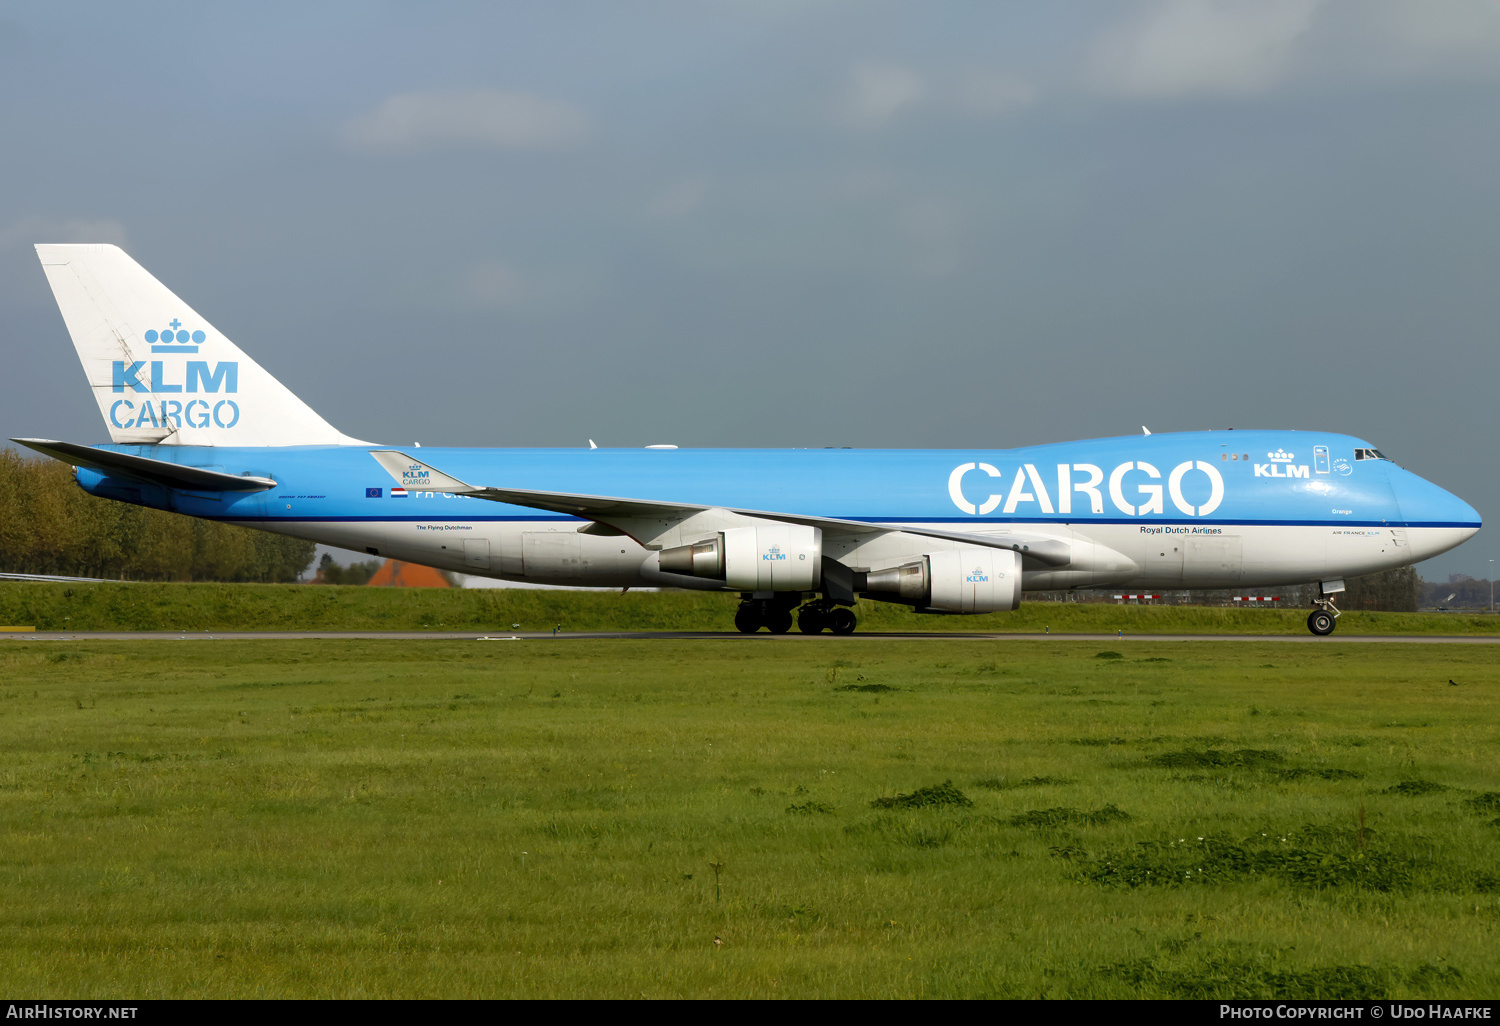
(372, 493)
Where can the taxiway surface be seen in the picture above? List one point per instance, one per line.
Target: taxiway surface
(761, 637)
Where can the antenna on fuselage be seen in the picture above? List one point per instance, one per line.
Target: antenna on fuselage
(1145, 430)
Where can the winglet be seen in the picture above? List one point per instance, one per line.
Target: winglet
(413, 473)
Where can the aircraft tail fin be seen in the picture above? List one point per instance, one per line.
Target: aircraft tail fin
(160, 372)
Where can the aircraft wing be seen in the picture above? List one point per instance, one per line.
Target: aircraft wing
(629, 515)
(172, 475)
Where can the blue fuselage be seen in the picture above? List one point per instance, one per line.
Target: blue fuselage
(1296, 505)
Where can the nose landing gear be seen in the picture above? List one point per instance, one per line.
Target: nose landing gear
(1321, 621)
(1325, 618)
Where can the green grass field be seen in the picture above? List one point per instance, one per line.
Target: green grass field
(199, 607)
(888, 819)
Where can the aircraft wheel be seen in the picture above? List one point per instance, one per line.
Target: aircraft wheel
(811, 620)
(779, 621)
(842, 620)
(1321, 622)
(747, 619)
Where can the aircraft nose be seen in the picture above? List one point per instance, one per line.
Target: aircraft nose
(1436, 519)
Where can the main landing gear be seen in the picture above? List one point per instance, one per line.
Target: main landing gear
(775, 615)
(819, 616)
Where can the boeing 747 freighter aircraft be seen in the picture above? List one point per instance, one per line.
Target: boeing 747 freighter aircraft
(197, 427)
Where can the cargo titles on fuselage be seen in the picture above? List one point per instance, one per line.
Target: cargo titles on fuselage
(1027, 485)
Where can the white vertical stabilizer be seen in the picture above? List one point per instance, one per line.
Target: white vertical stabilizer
(160, 372)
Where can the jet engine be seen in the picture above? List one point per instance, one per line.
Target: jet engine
(965, 580)
(763, 557)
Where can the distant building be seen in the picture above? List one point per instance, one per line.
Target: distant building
(1458, 578)
(396, 574)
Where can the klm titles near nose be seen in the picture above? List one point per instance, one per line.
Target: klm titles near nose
(1281, 470)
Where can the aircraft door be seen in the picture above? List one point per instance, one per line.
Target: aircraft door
(1162, 565)
(1214, 562)
(477, 553)
(552, 555)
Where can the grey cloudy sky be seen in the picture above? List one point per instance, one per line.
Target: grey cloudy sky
(787, 222)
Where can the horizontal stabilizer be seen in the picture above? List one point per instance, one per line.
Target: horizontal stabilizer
(171, 475)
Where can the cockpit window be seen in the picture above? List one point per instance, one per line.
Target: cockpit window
(1369, 454)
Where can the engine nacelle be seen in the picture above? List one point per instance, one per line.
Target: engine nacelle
(763, 557)
(966, 580)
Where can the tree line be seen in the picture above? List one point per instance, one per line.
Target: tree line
(1474, 593)
(48, 525)
(1391, 591)
(330, 572)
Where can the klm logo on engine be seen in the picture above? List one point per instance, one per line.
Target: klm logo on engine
(773, 554)
(977, 577)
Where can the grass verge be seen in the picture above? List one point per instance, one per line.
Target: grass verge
(200, 607)
(681, 819)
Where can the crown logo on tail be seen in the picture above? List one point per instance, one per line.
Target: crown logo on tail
(175, 339)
